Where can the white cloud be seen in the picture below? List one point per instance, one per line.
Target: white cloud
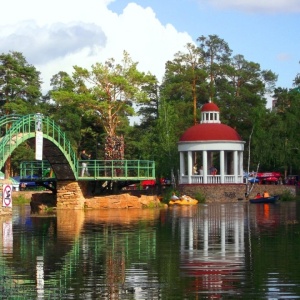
(56, 35)
(265, 6)
(42, 44)
(284, 57)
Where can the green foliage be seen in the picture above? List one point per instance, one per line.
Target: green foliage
(287, 196)
(100, 100)
(167, 138)
(19, 84)
(20, 199)
(153, 205)
(200, 197)
(167, 194)
(110, 89)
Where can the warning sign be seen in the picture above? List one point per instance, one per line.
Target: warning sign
(7, 195)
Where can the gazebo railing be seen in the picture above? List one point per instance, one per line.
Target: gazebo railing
(211, 179)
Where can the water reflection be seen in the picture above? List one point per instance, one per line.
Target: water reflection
(212, 247)
(227, 251)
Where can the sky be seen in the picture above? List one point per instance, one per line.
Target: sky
(59, 34)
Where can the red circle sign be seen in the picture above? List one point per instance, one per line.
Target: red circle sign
(7, 195)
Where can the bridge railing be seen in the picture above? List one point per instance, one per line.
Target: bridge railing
(97, 169)
(7, 120)
(13, 135)
(35, 167)
(118, 169)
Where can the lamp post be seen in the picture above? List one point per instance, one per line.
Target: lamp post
(97, 147)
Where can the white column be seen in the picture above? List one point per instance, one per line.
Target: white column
(226, 164)
(190, 166)
(241, 159)
(235, 166)
(182, 166)
(204, 164)
(222, 166)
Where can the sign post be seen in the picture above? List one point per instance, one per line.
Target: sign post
(7, 195)
(39, 136)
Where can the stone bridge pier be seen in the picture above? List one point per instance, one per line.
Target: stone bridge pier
(71, 194)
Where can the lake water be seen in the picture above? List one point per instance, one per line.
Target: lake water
(209, 251)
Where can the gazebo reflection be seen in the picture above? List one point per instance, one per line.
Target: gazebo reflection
(212, 247)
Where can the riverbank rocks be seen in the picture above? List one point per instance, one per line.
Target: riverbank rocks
(44, 201)
(122, 201)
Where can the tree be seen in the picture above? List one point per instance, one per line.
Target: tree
(296, 82)
(167, 139)
(67, 109)
(216, 53)
(287, 109)
(107, 92)
(185, 80)
(244, 85)
(19, 89)
(148, 112)
(19, 84)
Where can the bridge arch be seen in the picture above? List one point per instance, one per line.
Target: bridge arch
(56, 147)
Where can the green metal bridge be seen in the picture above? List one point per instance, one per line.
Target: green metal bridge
(59, 156)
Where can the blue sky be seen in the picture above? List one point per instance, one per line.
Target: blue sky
(56, 35)
(266, 33)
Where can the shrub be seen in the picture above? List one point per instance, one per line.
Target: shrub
(287, 196)
(200, 197)
(20, 200)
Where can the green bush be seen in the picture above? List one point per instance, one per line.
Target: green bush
(287, 196)
(20, 200)
(200, 197)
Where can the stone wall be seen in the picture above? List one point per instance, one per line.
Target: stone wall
(231, 192)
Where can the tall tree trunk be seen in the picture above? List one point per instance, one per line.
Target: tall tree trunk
(7, 168)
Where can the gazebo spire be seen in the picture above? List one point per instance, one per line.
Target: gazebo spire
(210, 113)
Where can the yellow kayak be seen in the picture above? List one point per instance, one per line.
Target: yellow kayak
(185, 200)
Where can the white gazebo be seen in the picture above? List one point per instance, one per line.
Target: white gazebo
(210, 152)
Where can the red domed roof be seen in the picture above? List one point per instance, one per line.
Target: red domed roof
(210, 107)
(210, 132)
